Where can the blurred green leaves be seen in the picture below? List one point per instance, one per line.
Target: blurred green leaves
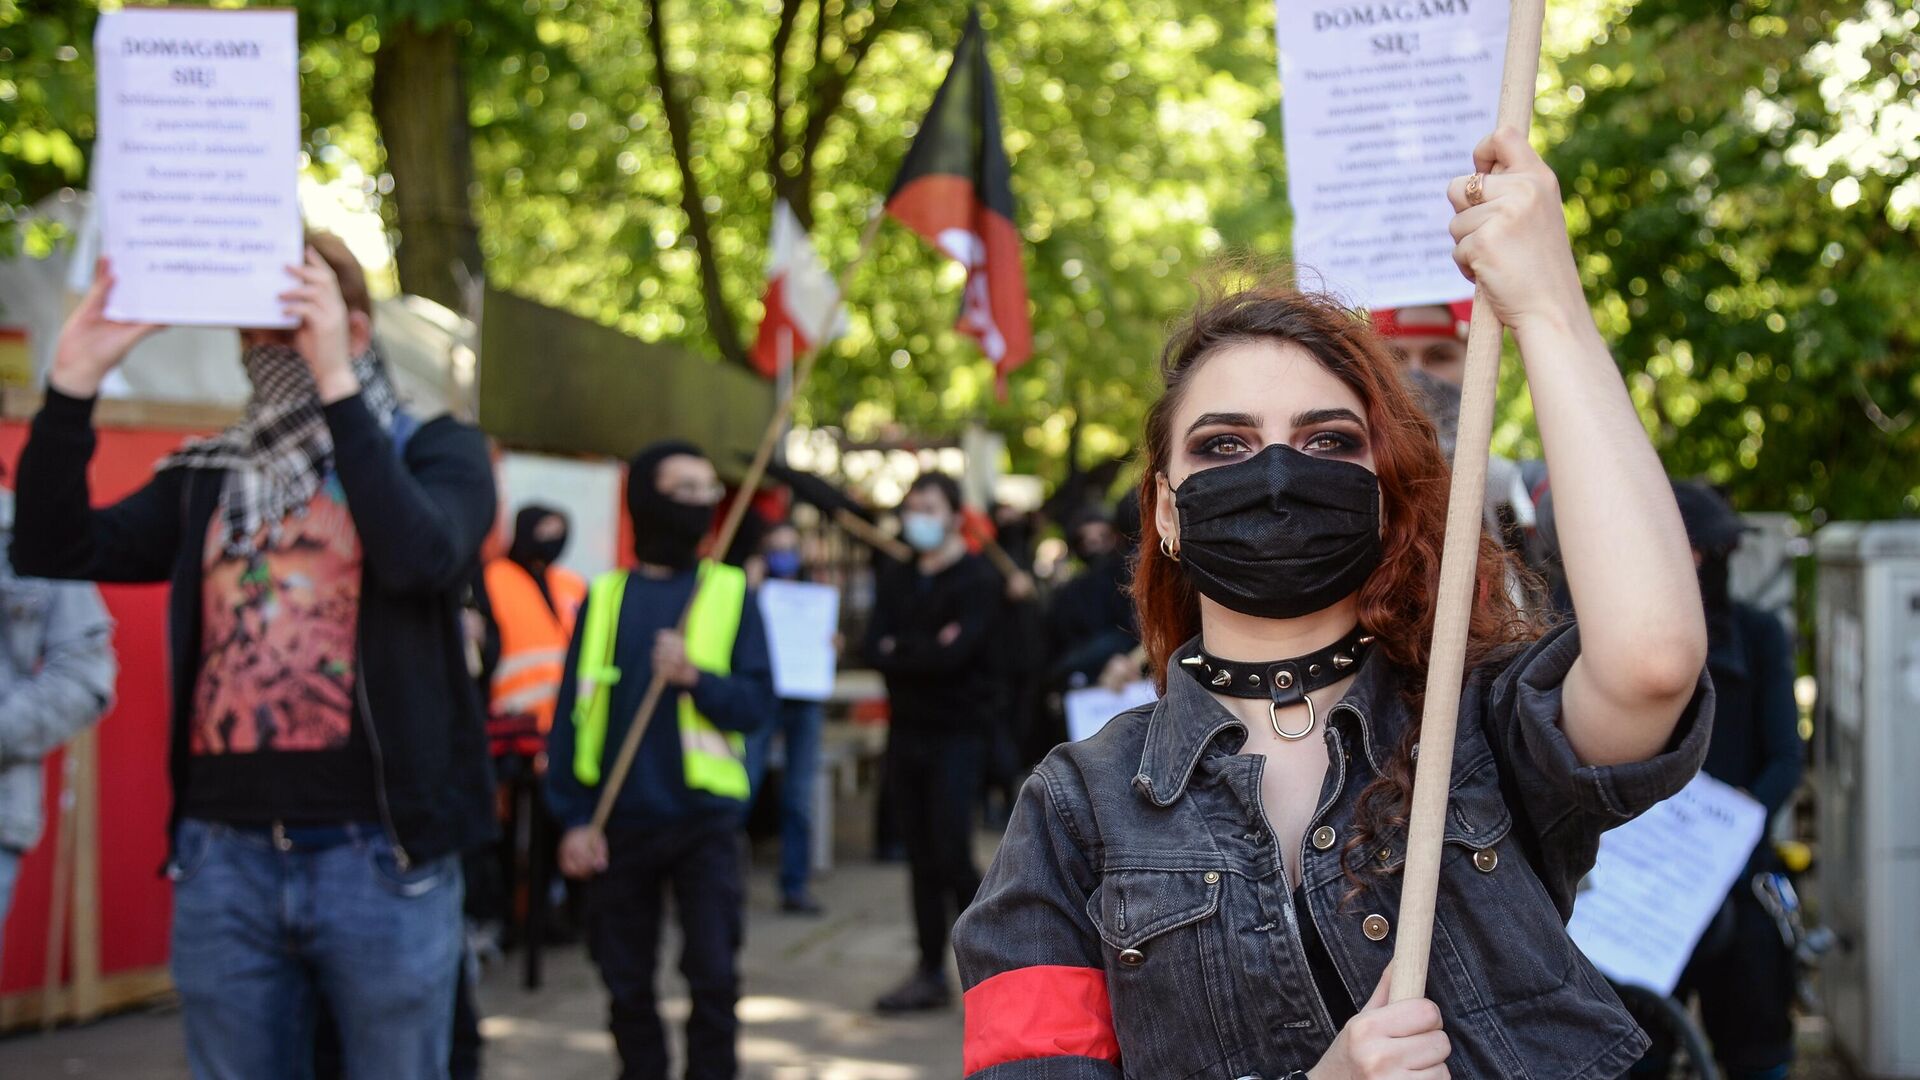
(1740, 184)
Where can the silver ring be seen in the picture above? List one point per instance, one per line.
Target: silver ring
(1273, 717)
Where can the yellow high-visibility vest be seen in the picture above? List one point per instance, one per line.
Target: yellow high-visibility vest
(712, 759)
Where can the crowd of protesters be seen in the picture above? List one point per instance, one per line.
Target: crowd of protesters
(354, 685)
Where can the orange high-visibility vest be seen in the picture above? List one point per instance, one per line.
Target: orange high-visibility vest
(533, 637)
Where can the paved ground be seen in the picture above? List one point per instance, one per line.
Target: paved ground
(810, 984)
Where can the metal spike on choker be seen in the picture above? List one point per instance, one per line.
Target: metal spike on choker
(1282, 683)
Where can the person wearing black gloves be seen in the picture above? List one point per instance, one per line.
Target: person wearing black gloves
(329, 762)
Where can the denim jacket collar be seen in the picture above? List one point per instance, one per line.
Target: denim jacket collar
(1188, 719)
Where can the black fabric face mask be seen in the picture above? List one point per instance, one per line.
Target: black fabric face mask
(1281, 534)
(668, 533)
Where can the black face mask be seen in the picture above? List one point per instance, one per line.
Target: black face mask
(1281, 534)
(668, 533)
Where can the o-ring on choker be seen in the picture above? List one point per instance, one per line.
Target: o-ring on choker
(1282, 683)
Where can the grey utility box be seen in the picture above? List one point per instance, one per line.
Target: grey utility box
(1867, 768)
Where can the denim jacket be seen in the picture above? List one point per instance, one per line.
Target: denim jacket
(1138, 920)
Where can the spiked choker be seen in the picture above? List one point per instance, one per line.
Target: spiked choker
(1282, 683)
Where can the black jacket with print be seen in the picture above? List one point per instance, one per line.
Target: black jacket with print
(421, 512)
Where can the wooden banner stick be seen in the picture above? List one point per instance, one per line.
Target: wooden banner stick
(1458, 561)
(749, 485)
(869, 534)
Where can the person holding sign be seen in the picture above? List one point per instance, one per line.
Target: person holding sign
(1210, 885)
(329, 761)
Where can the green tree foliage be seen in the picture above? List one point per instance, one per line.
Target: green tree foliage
(1739, 182)
(46, 110)
(1142, 142)
(1742, 189)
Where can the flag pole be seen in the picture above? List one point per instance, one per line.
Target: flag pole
(1419, 888)
(729, 528)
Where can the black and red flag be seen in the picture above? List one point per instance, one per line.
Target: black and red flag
(955, 188)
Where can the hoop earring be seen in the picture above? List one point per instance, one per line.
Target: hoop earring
(1170, 549)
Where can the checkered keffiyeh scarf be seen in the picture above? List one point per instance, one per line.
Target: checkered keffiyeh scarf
(278, 455)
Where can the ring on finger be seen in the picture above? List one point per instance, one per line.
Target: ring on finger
(1476, 189)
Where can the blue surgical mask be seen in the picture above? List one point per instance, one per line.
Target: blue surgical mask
(783, 564)
(923, 532)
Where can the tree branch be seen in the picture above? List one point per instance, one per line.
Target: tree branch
(726, 336)
(777, 145)
(831, 91)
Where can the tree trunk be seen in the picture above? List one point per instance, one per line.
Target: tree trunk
(420, 105)
(726, 336)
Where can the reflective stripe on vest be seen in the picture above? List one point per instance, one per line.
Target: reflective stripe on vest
(533, 638)
(712, 758)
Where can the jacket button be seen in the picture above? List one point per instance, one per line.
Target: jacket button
(1485, 860)
(1323, 837)
(1375, 927)
(1132, 957)
(1213, 877)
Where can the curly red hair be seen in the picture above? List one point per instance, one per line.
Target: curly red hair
(1397, 601)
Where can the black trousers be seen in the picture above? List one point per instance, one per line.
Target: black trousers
(626, 907)
(1746, 989)
(935, 780)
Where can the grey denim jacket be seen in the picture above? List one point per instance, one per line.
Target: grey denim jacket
(1137, 921)
(57, 672)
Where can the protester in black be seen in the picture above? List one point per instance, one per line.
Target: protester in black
(1742, 970)
(1090, 619)
(328, 759)
(928, 637)
(674, 826)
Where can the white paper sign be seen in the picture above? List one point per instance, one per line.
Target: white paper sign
(1659, 880)
(1382, 104)
(1089, 710)
(801, 620)
(196, 165)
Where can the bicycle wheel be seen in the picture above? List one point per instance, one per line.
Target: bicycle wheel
(1671, 1027)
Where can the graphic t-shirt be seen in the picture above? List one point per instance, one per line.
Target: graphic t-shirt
(275, 732)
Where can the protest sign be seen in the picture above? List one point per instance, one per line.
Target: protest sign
(1382, 104)
(196, 166)
(801, 620)
(1089, 710)
(1659, 880)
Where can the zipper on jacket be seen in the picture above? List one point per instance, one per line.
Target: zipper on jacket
(379, 761)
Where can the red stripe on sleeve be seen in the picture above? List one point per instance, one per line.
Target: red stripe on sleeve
(1036, 1012)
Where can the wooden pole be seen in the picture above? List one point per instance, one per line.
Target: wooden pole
(749, 485)
(1459, 559)
(869, 534)
(86, 1000)
(60, 897)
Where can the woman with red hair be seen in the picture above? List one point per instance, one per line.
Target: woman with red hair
(1209, 887)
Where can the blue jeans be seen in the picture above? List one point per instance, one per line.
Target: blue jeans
(799, 724)
(261, 934)
(9, 874)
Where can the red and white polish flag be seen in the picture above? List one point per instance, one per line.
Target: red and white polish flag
(803, 303)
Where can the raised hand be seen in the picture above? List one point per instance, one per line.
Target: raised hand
(91, 345)
(1512, 241)
(322, 336)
